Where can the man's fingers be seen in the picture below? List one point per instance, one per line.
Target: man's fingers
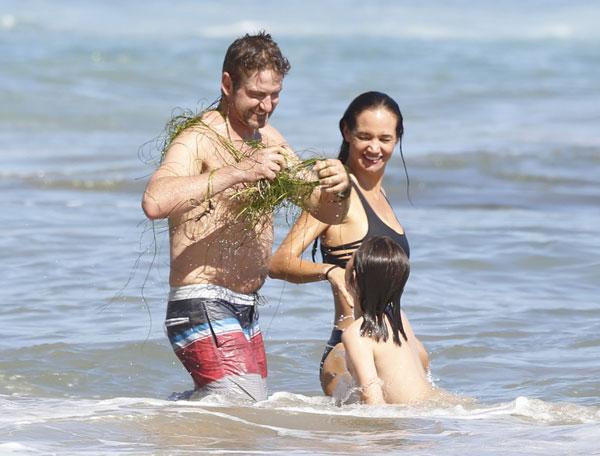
(340, 187)
(333, 179)
(274, 166)
(274, 154)
(322, 165)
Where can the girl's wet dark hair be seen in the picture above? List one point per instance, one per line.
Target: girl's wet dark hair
(368, 101)
(381, 269)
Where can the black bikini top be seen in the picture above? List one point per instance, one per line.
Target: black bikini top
(340, 254)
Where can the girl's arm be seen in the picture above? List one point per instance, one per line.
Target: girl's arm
(361, 364)
(423, 355)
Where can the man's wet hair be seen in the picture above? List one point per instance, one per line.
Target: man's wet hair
(252, 53)
(381, 269)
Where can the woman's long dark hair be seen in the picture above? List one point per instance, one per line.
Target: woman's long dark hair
(381, 269)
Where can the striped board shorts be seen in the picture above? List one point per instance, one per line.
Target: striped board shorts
(214, 332)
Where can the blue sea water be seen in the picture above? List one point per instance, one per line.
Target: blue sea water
(501, 102)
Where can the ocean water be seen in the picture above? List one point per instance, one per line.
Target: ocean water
(501, 102)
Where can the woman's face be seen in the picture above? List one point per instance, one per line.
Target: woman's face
(373, 140)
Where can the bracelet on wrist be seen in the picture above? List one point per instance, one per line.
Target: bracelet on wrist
(329, 270)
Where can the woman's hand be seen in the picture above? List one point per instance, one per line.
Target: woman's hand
(337, 279)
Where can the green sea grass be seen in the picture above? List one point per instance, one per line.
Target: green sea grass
(293, 185)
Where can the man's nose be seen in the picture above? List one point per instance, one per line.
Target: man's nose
(266, 104)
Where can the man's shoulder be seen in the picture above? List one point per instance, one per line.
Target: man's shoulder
(271, 136)
(208, 124)
(212, 120)
(200, 134)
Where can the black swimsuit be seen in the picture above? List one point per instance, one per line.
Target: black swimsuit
(341, 254)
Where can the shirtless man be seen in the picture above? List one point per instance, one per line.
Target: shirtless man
(218, 262)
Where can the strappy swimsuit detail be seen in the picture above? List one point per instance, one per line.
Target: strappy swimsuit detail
(340, 254)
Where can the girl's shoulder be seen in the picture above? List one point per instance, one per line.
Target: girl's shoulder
(352, 336)
(352, 331)
(357, 347)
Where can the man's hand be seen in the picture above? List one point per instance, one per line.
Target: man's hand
(333, 177)
(263, 164)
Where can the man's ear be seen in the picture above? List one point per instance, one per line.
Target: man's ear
(226, 84)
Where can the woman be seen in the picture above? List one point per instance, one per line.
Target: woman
(371, 128)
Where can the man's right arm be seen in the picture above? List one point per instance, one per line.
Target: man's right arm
(179, 184)
(182, 182)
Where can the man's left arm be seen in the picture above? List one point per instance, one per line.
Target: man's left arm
(329, 201)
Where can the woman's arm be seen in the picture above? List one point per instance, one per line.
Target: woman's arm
(361, 364)
(287, 263)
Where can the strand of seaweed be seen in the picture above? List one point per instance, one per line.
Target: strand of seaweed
(292, 186)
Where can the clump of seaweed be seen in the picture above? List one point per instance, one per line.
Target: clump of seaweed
(293, 185)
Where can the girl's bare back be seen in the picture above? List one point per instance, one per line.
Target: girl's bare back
(386, 372)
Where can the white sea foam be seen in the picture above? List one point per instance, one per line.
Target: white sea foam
(288, 415)
(433, 30)
(535, 410)
(436, 21)
(14, 448)
(24, 411)
(8, 21)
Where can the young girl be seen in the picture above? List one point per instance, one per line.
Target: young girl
(385, 359)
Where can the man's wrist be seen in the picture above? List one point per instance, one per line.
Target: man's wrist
(344, 194)
(238, 176)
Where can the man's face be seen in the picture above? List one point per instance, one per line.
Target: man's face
(254, 99)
